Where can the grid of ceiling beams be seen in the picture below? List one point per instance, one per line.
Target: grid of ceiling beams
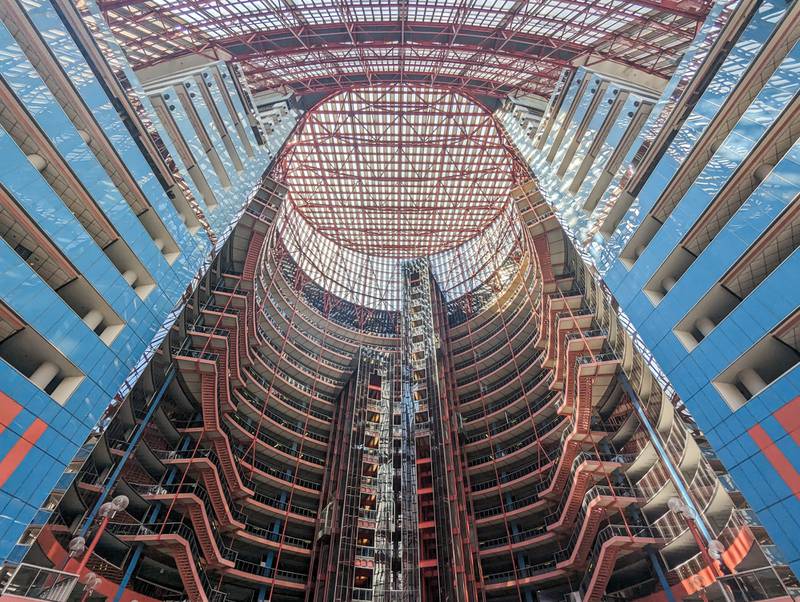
(484, 47)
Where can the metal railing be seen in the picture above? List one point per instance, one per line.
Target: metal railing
(280, 419)
(536, 433)
(267, 500)
(514, 396)
(40, 583)
(514, 419)
(181, 530)
(261, 434)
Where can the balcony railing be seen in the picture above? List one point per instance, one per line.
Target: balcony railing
(515, 395)
(181, 530)
(313, 354)
(261, 434)
(198, 490)
(281, 420)
(283, 475)
(604, 535)
(513, 419)
(313, 391)
(40, 583)
(297, 405)
(186, 351)
(538, 430)
(289, 358)
(257, 496)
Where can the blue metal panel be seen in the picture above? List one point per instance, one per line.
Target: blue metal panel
(741, 56)
(69, 56)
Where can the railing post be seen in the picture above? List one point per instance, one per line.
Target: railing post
(659, 570)
(133, 561)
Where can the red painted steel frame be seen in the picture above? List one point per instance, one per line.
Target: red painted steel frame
(398, 171)
(488, 48)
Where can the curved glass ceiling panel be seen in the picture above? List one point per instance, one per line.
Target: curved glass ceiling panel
(377, 176)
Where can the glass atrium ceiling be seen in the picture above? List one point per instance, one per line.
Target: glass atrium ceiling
(398, 171)
(383, 174)
(486, 47)
(397, 162)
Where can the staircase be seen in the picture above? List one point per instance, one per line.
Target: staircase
(564, 360)
(234, 350)
(218, 500)
(586, 538)
(542, 249)
(544, 327)
(189, 577)
(223, 389)
(583, 409)
(242, 337)
(229, 469)
(562, 470)
(602, 574)
(549, 334)
(202, 530)
(253, 253)
(575, 499)
(208, 400)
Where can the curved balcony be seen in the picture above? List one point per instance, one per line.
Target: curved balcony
(493, 410)
(180, 541)
(522, 352)
(229, 563)
(611, 540)
(299, 409)
(528, 386)
(275, 476)
(523, 417)
(522, 321)
(295, 322)
(513, 296)
(282, 270)
(477, 342)
(595, 506)
(300, 369)
(557, 479)
(518, 475)
(228, 461)
(509, 452)
(271, 390)
(317, 349)
(246, 489)
(243, 528)
(285, 451)
(287, 380)
(280, 306)
(255, 408)
(558, 474)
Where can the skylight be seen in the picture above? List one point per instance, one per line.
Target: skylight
(381, 175)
